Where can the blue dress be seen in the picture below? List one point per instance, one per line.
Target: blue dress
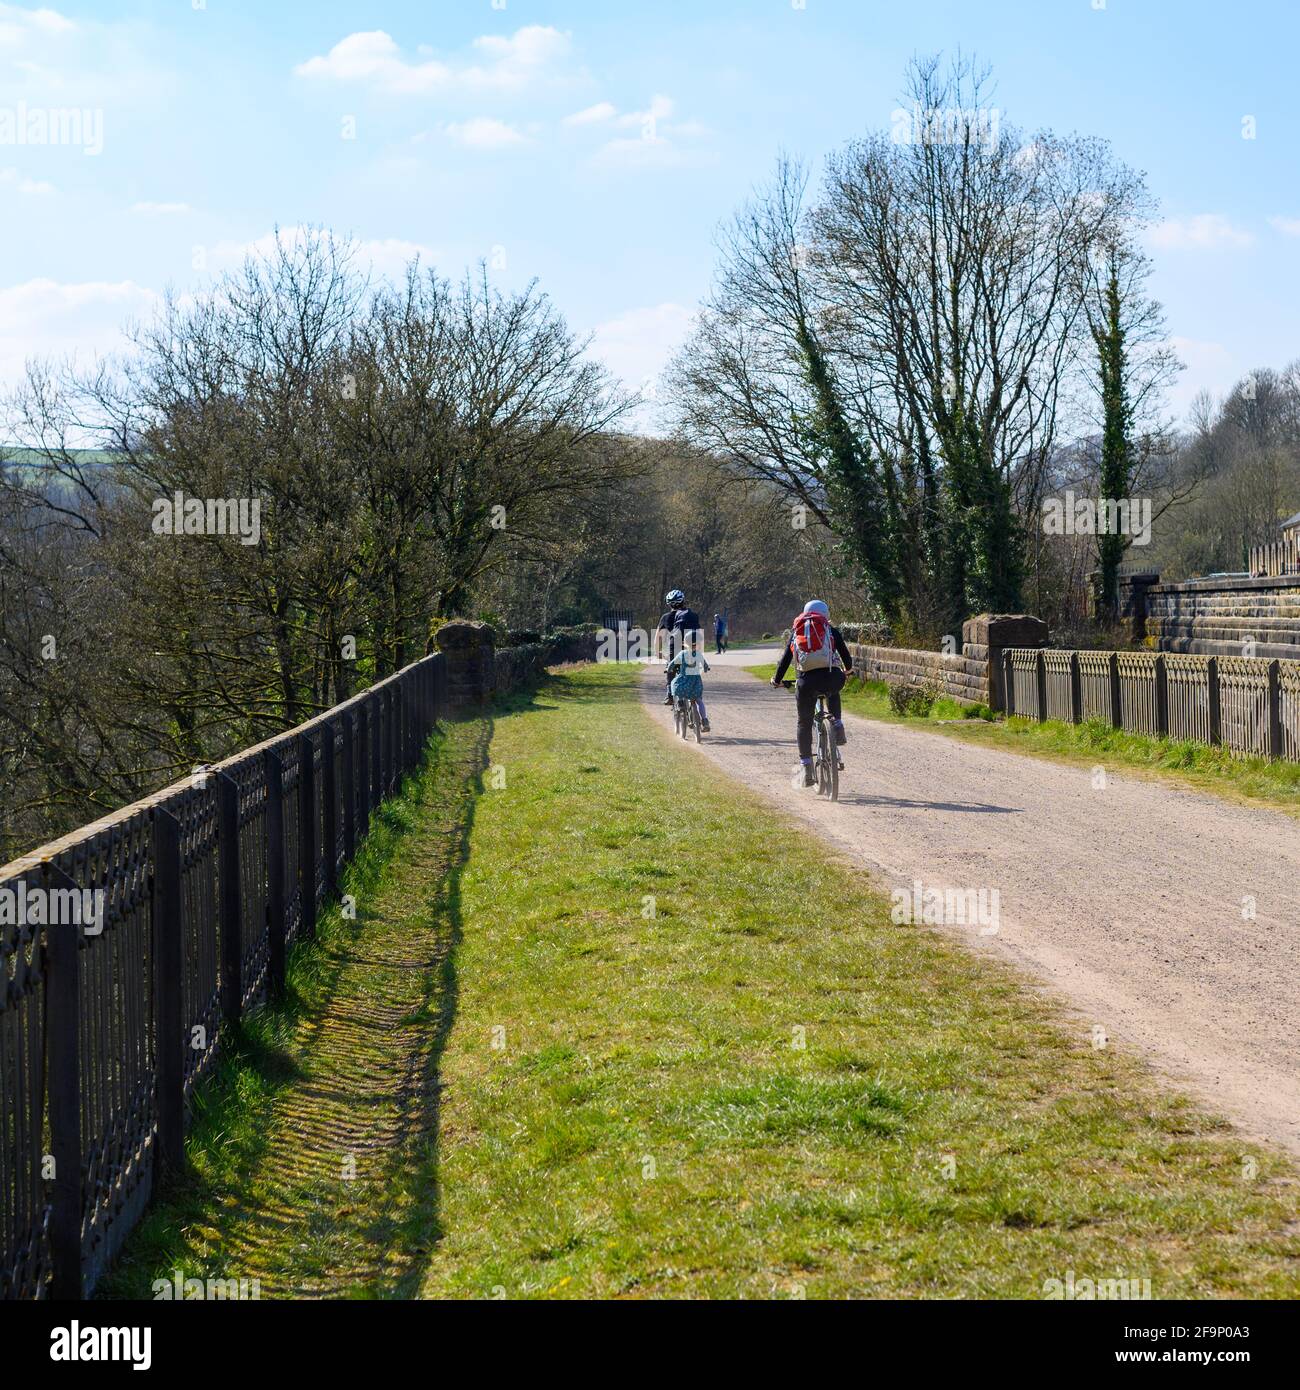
(688, 687)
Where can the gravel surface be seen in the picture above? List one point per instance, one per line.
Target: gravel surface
(1132, 900)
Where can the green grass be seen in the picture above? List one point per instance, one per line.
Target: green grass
(660, 1043)
(1183, 761)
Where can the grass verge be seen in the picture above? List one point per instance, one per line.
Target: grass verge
(1182, 761)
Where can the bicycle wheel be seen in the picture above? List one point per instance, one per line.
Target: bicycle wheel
(686, 719)
(677, 717)
(696, 722)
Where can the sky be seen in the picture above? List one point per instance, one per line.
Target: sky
(596, 145)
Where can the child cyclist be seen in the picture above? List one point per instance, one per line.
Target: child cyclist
(822, 660)
(686, 670)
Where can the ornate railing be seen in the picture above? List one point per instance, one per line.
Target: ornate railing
(107, 1025)
(1249, 705)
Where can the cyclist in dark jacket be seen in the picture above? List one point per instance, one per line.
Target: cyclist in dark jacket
(811, 684)
(676, 623)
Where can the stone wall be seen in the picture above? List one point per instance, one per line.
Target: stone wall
(973, 677)
(477, 669)
(1215, 617)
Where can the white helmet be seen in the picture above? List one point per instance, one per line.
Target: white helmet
(815, 605)
(674, 596)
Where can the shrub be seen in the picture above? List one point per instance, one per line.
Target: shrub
(912, 700)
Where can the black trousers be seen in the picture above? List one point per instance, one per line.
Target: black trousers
(806, 690)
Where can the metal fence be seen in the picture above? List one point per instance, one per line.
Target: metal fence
(104, 1034)
(1248, 705)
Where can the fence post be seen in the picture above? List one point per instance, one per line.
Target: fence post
(377, 751)
(1216, 717)
(1116, 713)
(363, 768)
(1008, 683)
(1040, 681)
(228, 904)
(1162, 697)
(1076, 690)
(1274, 709)
(329, 807)
(307, 833)
(168, 968)
(275, 924)
(349, 787)
(391, 717)
(62, 995)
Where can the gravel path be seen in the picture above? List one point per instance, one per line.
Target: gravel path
(1130, 900)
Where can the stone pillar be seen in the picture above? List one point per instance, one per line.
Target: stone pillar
(470, 655)
(986, 638)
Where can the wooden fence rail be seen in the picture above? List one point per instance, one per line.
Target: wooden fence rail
(1249, 705)
(105, 1033)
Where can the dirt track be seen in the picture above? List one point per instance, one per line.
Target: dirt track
(1127, 900)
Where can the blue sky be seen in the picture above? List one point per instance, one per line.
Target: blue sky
(596, 144)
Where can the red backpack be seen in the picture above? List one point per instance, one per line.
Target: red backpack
(810, 641)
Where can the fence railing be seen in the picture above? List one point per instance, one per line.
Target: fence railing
(1248, 705)
(1277, 558)
(105, 1033)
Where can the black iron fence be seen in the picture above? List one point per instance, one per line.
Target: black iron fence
(108, 1023)
(1246, 704)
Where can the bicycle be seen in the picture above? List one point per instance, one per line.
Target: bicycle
(826, 758)
(686, 717)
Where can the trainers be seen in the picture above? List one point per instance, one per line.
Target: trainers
(668, 699)
(841, 737)
(808, 779)
(704, 728)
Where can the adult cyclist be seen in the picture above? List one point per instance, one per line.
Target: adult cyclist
(672, 629)
(822, 660)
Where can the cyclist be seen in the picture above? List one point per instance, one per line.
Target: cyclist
(686, 672)
(822, 660)
(676, 623)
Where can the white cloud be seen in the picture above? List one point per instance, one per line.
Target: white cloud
(657, 145)
(1288, 226)
(46, 318)
(660, 108)
(499, 65)
(18, 24)
(592, 115)
(1206, 231)
(50, 61)
(160, 209)
(484, 133)
(14, 181)
(637, 344)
